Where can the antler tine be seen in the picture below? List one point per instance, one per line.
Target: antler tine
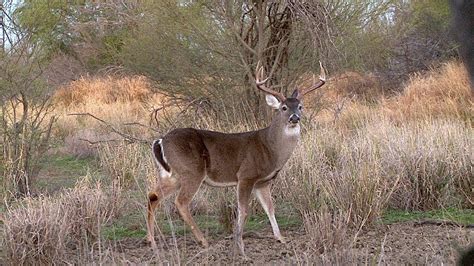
(322, 81)
(261, 83)
(259, 74)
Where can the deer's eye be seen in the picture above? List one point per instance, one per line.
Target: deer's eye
(300, 107)
(284, 108)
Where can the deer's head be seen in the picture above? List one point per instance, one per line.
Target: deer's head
(289, 108)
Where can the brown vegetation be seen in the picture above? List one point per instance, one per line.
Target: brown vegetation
(46, 230)
(443, 92)
(410, 151)
(105, 90)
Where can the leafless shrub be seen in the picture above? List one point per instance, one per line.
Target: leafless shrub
(26, 127)
(25, 109)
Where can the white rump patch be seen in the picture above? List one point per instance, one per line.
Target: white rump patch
(272, 101)
(162, 171)
(293, 131)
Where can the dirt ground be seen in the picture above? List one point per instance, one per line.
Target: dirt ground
(401, 243)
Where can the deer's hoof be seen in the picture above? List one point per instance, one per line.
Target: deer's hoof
(281, 239)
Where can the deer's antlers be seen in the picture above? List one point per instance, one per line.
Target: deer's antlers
(300, 91)
(261, 84)
(322, 81)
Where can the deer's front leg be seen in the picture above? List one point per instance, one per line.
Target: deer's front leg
(244, 191)
(264, 196)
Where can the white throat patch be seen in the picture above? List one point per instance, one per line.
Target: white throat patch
(292, 131)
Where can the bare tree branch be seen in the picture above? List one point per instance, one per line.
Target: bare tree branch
(127, 137)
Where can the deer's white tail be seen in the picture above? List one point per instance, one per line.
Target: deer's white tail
(160, 159)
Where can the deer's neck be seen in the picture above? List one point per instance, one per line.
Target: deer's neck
(281, 141)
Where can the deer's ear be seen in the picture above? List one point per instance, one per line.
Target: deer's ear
(272, 101)
(295, 94)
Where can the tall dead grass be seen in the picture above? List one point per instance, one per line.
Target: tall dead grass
(117, 100)
(105, 90)
(409, 151)
(444, 92)
(415, 166)
(327, 230)
(48, 230)
(440, 93)
(127, 164)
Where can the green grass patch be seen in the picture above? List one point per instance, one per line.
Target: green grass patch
(207, 223)
(70, 165)
(63, 171)
(133, 225)
(119, 232)
(460, 216)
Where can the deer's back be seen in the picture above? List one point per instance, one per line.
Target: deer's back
(219, 155)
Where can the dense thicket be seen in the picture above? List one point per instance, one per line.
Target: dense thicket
(213, 46)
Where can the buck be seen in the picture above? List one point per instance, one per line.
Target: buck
(188, 157)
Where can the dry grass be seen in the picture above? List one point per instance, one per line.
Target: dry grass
(350, 99)
(36, 232)
(118, 100)
(127, 164)
(362, 87)
(440, 93)
(46, 230)
(338, 171)
(328, 231)
(416, 166)
(414, 144)
(105, 90)
(411, 151)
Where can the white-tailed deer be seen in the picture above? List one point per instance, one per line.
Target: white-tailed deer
(188, 157)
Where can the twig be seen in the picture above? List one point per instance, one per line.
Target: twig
(98, 141)
(140, 125)
(127, 137)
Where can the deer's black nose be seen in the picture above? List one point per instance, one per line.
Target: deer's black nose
(294, 118)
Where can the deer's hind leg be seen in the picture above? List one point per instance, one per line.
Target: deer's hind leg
(163, 189)
(189, 187)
